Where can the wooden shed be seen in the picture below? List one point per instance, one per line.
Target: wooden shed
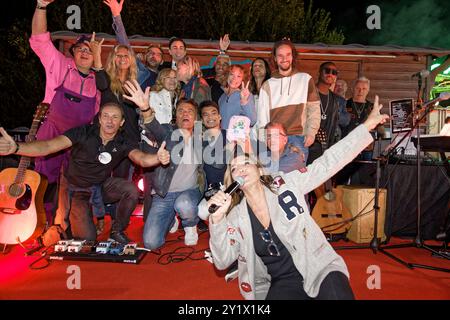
(389, 68)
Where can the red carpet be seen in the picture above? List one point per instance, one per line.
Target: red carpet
(199, 280)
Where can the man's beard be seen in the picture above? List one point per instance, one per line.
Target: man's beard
(285, 68)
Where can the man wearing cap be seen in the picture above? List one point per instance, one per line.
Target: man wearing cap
(70, 90)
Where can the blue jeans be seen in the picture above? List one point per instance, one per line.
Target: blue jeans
(162, 213)
(299, 142)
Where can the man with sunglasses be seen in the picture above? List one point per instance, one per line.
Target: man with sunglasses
(70, 90)
(333, 114)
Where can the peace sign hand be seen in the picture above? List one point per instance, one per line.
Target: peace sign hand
(245, 93)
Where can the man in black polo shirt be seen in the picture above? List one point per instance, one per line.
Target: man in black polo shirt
(96, 150)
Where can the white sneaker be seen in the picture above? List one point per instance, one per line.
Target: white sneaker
(174, 226)
(190, 236)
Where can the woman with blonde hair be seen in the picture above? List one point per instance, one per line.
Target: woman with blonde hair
(120, 67)
(164, 95)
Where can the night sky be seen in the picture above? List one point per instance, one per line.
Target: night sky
(423, 23)
(403, 22)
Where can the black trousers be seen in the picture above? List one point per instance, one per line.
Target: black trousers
(114, 190)
(335, 286)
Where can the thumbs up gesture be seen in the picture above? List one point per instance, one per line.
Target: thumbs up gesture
(163, 154)
(245, 93)
(7, 143)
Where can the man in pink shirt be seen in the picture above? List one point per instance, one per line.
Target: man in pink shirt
(70, 90)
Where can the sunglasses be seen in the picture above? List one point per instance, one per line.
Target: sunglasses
(272, 247)
(332, 71)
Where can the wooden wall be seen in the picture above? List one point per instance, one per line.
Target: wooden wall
(390, 73)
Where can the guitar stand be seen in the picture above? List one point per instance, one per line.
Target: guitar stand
(375, 242)
(5, 249)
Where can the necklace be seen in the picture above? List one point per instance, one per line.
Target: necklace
(324, 111)
(358, 111)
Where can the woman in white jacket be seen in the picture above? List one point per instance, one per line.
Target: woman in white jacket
(266, 226)
(164, 95)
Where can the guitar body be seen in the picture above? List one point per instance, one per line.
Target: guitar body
(330, 214)
(21, 206)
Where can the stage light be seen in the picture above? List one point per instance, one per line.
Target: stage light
(141, 184)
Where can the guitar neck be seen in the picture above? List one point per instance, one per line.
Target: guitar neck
(328, 184)
(25, 161)
(21, 170)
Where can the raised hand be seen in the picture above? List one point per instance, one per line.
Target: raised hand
(375, 118)
(224, 42)
(7, 143)
(245, 93)
(116, 7)
(136, 95)
(44, 3)
(95, 45)
(163, 154)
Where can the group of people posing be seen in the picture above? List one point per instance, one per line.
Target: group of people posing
(138, 111)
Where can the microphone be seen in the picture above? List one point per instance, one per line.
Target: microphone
(443, 96)
(421, 74)
(230, 190)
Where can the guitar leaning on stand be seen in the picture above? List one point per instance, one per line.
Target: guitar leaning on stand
(22, 213)
(329, 212)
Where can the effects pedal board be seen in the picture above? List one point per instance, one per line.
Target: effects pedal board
(103, 251)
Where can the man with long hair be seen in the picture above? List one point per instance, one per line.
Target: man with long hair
(289, 97)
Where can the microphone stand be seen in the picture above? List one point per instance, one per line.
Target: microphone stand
(418, 243)
(375, 242)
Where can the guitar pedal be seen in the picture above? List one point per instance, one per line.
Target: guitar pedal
(130, 249)
(103, 247)
(62, 245)
(88, 247)
(116, 248)
(76, 246)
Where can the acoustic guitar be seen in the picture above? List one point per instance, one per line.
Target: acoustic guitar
(22, 213)
(330, 213)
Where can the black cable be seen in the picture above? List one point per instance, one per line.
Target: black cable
(178, 255)
(44, 255)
